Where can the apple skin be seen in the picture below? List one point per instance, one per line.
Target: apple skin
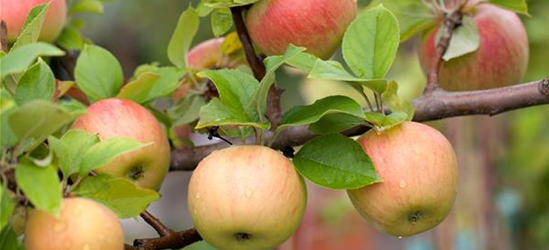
(501, 60)
(82, 224)
(246, 198)
(318, 25)
(110, 118)
(419, 171)
(206, 54)
(14, 13)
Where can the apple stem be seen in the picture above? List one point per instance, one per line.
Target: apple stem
(451, 21)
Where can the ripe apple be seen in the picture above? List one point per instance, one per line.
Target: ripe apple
(246, 197)
(419, 171)
(109, 118)
(82, 224)
(500, 60)
(317, 25)
(14, 13)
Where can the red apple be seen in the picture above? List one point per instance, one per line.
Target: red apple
(246, 198)
(82, 224)
(110, 118)
(14, 13)
(419, 171)
(206, 55)
(317, 25)
(501, 59)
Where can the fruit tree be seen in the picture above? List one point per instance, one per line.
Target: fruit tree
(84, 143)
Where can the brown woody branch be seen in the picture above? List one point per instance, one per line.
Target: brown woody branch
(168, 239)
(3, 36)
(274, 110)
(451, 21)
(438, 104)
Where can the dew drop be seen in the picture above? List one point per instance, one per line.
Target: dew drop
(399, 237)
(402, 184)
(249, 193)
(197, 195)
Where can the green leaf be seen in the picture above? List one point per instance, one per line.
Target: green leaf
(87, 6)
(518, 6)
(46, 118)
(41, 185)
(383, 122)
(272, 63)
(70, 149)
(335, 123)
(396, 103)
(38, 83)
(7, 205)
(8, 138)
(333, 70)
(105, 151)
(9, 240)
(33, 25)
(371, 42)
(335, 161)
(221, 21)
(215, 113)
(305, 115)
(229, 3)
(413, 16)
(98, 74)
(18, 60)
(168, 82)
(138, 89)
(186, 29)
(120, 195)
(465, 39)
(70, 39)
(186, 110)
(303, 61)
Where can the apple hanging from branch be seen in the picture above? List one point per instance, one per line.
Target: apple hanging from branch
(501, 59)
(109, 118)
(14, 13)
(246, 197)
(317, 25)
(419, 171)
(81, 224)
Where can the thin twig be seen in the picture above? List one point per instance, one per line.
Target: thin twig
(158, 226)
(3, 36)
(451, 21)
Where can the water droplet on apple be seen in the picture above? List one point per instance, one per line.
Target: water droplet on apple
(197, 195)
(399, 237)
(402, 184)
(249, 193)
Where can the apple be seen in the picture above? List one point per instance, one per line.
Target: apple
(246, 198)
(14, 13)
(500, 60)
(110, 118)
(318, 25)
(419, 171)
(81, 224)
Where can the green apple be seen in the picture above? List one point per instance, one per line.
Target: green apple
(14, 13)
(110, 118)
(419, 171)
(246, 198)
(317, 25)
(81, 224)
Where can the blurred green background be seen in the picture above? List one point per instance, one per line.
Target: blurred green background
(503, 199)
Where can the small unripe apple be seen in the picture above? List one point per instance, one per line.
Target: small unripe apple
(419, 171)
(500, 60)
(81, 224)
(246, 198)
(317, 25)
(14, 13)
(110, 118)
